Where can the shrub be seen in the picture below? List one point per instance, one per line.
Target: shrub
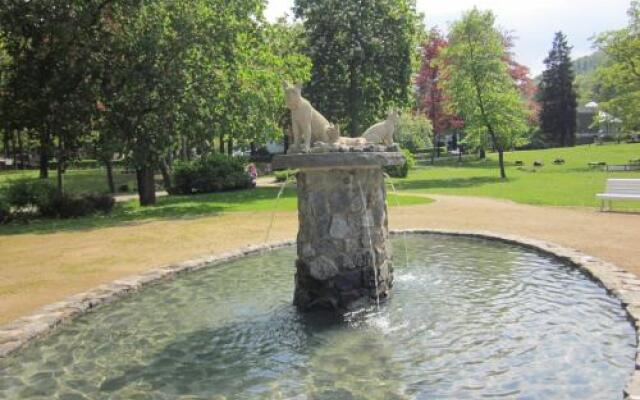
(402, 171)
(29, 193)
(101, 202)
(72, 205)
(282, 176)
(41, 197)
(210, 174)
(413, 132)
(5, 210)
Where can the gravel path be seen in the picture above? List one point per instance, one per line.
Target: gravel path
(38, 269)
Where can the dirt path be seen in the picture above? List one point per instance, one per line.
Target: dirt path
(38, 269)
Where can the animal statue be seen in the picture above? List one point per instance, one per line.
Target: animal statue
(382, 132)
(308, 125)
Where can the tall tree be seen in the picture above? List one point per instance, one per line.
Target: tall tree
(362, 55)
(558, 99)
(48, 89)
(479, 85)
(618, 81)
(431, 97)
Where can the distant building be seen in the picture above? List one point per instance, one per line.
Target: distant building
(593, 125)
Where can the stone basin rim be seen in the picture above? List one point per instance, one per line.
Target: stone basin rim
(15, 335)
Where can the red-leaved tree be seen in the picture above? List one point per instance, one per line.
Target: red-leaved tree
(522, 79)
(431, 98)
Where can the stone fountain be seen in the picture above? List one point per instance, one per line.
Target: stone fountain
(344, 253)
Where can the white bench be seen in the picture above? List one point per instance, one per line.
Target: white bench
(620, 189)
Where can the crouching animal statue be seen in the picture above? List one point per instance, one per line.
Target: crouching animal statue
(308, 125)
(382, 132)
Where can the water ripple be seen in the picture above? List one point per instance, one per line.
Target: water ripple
(468, 319)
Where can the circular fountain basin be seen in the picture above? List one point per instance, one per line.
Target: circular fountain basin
(468, 318)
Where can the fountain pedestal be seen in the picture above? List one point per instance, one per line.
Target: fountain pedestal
(344, 253)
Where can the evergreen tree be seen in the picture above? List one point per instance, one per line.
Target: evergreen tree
(557, 95)
(362, 57)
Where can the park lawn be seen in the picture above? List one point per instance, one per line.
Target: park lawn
(80, 181)
(570, 184)
(180, 207)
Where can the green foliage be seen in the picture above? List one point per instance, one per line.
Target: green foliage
(586, 81)
(67, 205)
(589, 63)
(479, 85)
(26, 194)
(558, 99)
(5, 210)
(362, 54)
(31, 197)
(49, 90)
(618, 82)
(413, 132)
(214, 173)
(402, 171)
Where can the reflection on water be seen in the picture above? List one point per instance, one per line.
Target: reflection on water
(468, 319)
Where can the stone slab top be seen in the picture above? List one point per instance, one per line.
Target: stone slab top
(337, 160)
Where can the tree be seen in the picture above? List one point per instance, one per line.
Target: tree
(414, 131)
(431, 97)
(526, 86)
(558, 99)
(47, 88)
(478, 83)
(176, 74)
(362, 56)
(618, 87)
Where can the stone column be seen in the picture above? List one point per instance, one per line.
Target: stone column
(343, 240)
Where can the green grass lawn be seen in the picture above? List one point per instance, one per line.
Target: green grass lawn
(79, 181)
(174, 207)
(570, 184)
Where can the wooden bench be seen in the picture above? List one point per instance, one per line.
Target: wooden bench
(620, 189)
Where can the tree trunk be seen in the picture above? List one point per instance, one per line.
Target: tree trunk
(286, 143)
(44, 161)
(166, 174)
(59, 176)
(60, 166)
(184, 150)
(436, 139)
(221, 143)
(230, 146)
(354, 107)
(146, 185)
(503, 174)
(15, 150)
(110, 182)
(482, 154)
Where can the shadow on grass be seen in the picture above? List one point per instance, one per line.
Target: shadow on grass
(166, 208)
(453, 183)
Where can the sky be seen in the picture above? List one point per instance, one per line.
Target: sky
(533, 22)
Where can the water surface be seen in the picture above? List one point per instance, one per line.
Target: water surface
(468, 319)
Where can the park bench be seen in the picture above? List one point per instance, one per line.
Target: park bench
(620, 189)
(622, 167)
